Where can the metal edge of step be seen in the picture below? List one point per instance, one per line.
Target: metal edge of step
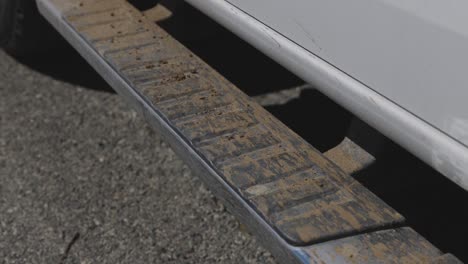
(344, 248)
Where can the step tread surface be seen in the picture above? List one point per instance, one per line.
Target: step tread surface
(401, 245)
(299, 192)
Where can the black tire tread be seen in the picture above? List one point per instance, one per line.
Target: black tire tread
(23, 31)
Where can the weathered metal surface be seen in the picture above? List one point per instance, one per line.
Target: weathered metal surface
(350, 157)
(268, 168)
(397, 246)
(298, 191)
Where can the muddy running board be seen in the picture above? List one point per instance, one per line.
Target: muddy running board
(299, 204)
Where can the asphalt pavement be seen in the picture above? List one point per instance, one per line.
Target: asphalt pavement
(84, 180)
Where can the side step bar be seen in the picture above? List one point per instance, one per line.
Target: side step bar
(302, 206)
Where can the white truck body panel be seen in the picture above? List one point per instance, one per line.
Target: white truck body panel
(413, 52)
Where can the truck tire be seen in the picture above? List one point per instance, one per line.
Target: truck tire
(23, 31)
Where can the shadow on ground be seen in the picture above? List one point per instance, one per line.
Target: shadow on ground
(66, 64)
(433, 206)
